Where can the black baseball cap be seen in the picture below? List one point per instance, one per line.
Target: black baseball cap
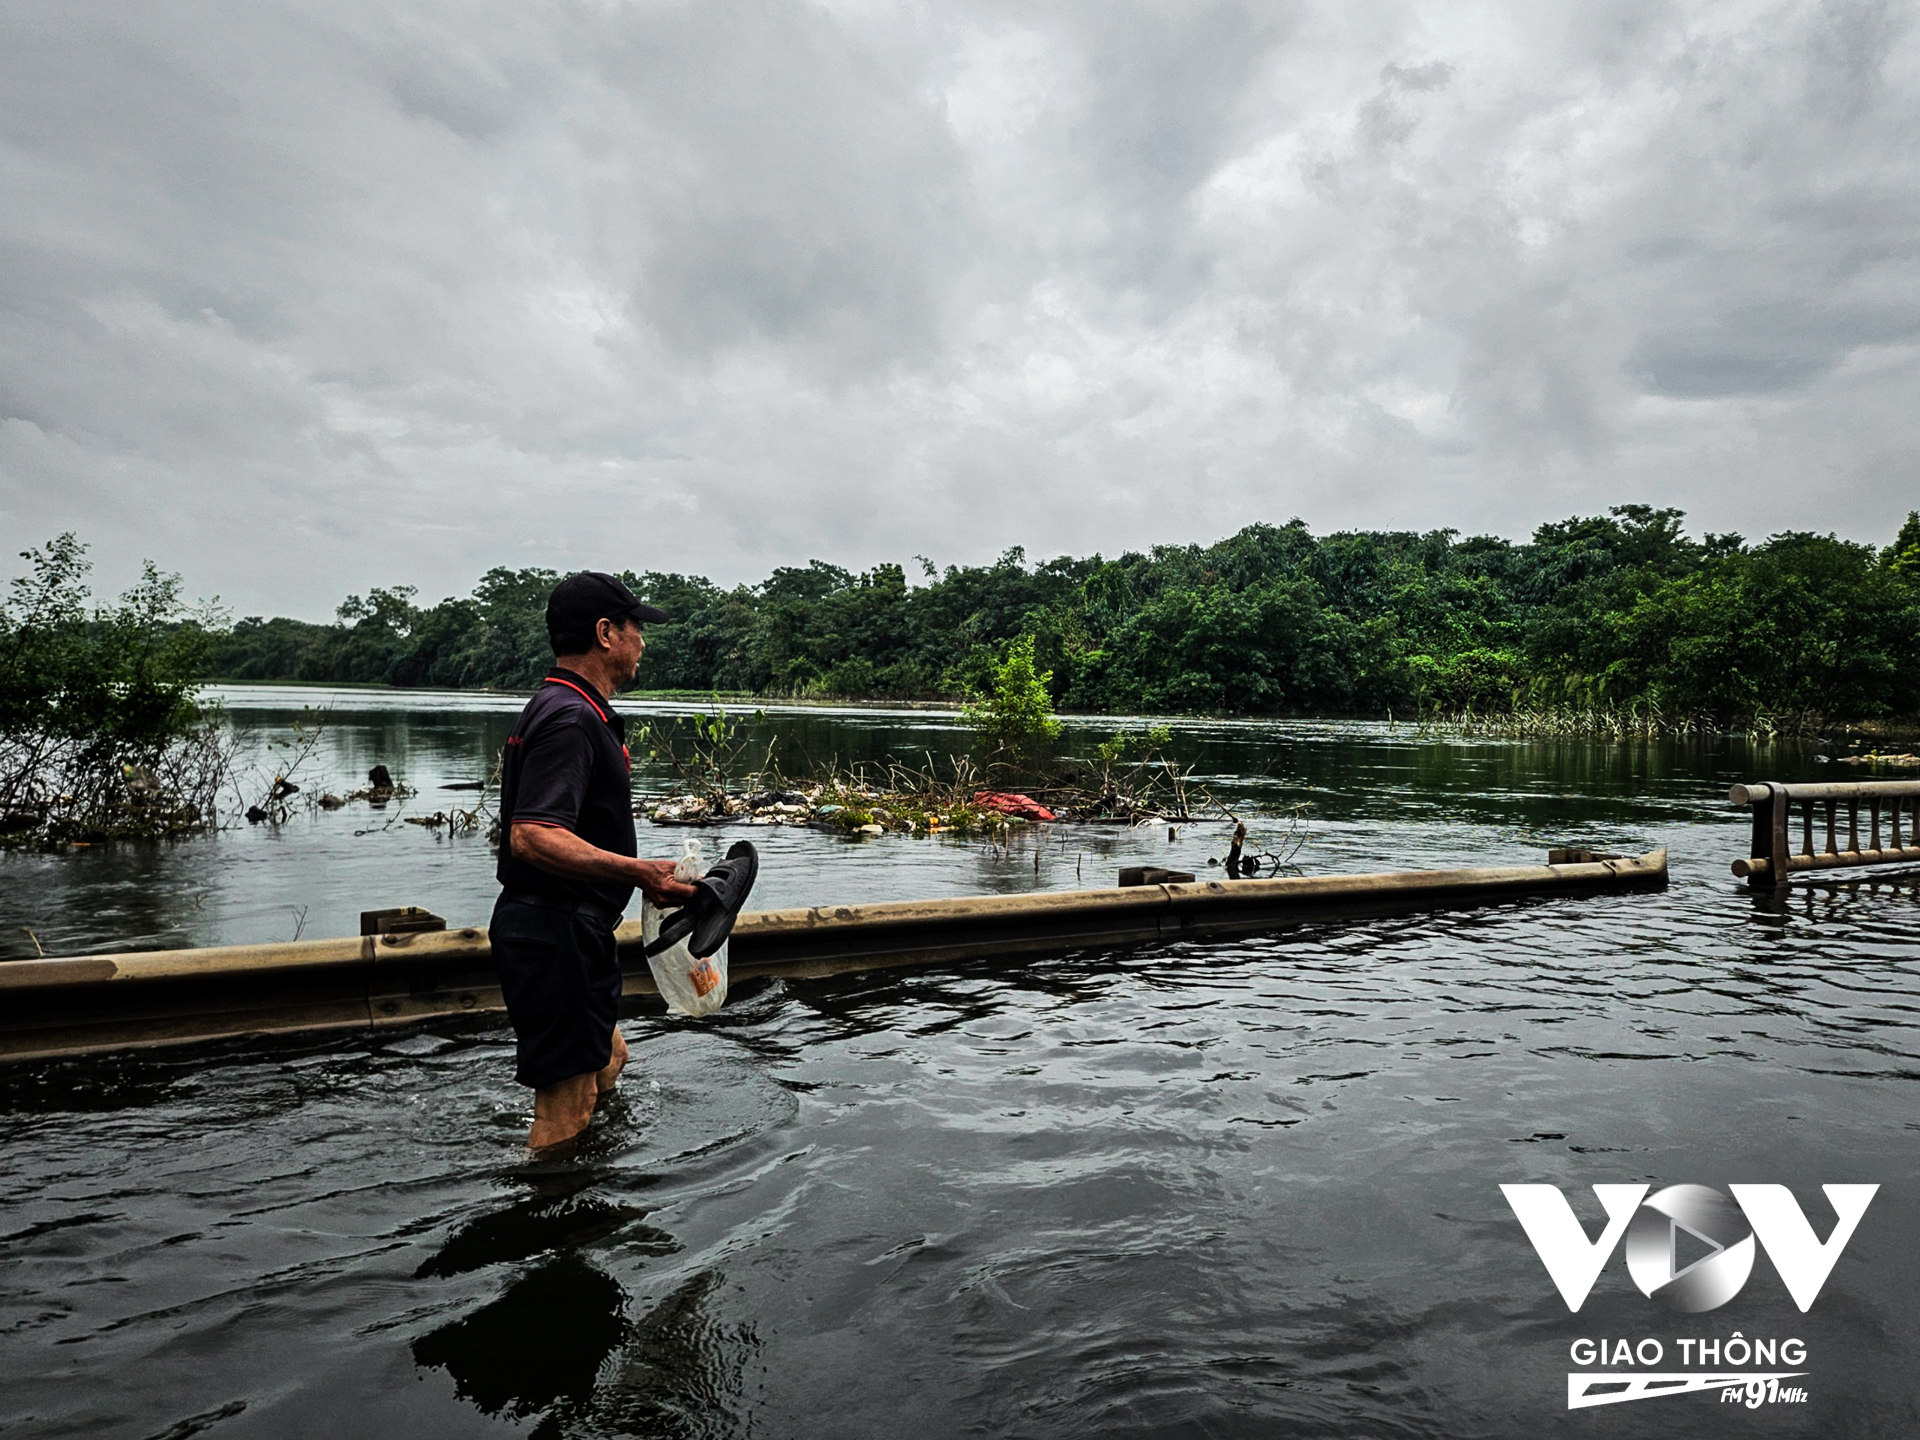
(581, 601)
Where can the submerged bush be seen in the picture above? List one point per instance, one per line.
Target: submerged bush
(101, 735)
(1015, 719)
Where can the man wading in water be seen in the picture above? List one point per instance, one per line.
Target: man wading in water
(567, 858)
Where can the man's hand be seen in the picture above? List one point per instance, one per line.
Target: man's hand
(561, 852)
(656, 882)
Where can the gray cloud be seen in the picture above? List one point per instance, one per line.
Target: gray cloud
(299, 302)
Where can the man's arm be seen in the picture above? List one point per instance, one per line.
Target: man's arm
(561, 852)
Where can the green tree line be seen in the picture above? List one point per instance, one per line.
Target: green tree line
(1623, 610)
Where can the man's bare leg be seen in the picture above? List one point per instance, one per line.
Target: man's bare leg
(609, 1075)
(561, 1111)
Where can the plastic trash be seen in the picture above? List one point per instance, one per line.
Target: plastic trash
(689, 986)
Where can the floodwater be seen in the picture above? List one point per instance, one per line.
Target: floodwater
(1226, 1189)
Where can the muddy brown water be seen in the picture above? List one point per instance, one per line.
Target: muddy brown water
(1240, 1188)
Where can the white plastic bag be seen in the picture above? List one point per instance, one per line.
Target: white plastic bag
(689, 986)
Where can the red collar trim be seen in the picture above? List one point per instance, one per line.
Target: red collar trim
(556, 680)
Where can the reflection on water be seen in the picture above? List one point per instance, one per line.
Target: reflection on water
(680, 1371)
(541, 1343)
(558, 1345)
(559, 1214)
(557, 1341)
(1243, 1188)
(543, 1349)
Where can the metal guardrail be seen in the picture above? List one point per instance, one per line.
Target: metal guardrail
(1840, 816)
(79, 1004)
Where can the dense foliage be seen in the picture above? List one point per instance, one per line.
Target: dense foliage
(1623, 610)
(99, 729)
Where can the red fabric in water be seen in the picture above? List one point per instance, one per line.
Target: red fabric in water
(1025, 806)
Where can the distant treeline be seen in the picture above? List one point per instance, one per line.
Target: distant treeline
(1623, 611)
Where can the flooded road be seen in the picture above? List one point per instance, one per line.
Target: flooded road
(1239, 1188)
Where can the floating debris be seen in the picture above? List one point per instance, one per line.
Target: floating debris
(1025, 806)
(845, 804)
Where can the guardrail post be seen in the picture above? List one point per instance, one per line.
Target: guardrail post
(1762, 846)
(1779, 813)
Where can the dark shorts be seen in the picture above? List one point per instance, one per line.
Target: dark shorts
(560, 974)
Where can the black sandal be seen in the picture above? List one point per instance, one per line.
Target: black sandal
(718, 898)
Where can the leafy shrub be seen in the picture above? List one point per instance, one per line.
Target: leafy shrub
(100, 732)
(1014, 720)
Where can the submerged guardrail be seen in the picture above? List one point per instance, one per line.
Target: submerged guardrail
(1774, 858)
(92, 1003)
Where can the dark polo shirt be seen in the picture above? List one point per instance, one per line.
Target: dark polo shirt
(566, 765)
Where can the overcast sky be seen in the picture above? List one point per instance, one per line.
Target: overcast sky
(302, 299)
